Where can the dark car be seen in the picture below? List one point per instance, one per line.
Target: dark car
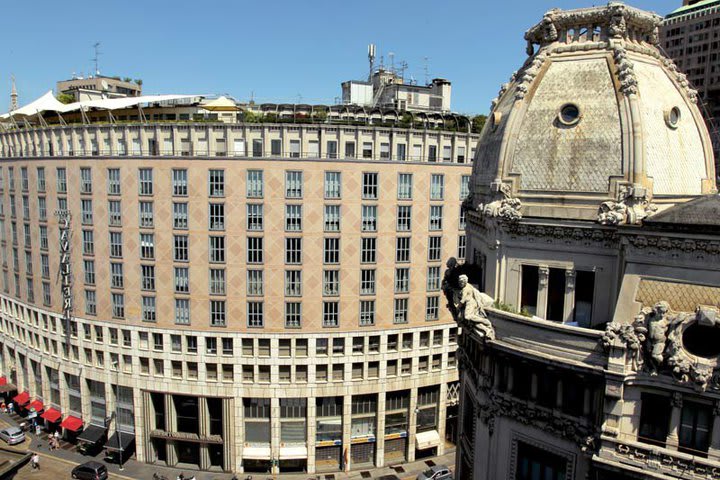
(90, 471)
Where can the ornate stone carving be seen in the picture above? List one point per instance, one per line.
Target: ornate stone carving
(503, 88)
(501, 205)
(655, 344)
(587, 237)
(503, 405)
(466, 303)
(631, 207)
(663, 461)
(681, 79)
(618, 26)
(625, 71)
(528, 75)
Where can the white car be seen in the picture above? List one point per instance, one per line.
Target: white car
(438, 472)
(12, 435)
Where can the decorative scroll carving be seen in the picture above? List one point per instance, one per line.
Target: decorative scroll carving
(631, 207)
(662, 461)
(528, 75)
(594, 237)
(655, 344)
(503, 88)
(501, 205)
(681, 79)
(502, 405)
(625, 71)
(466, 303)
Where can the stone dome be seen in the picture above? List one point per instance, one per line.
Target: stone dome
(596, 120)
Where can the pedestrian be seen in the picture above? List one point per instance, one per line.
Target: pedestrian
(35, 462)
(38, 429)
(11, 407)
(56, 435)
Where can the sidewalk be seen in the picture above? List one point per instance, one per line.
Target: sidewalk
(133, 470)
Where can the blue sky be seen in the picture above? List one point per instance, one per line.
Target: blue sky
(281, 51)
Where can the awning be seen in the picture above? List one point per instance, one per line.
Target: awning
(256, 453)
(92, 434)
(37, 405)
(22, 398)
(7, 388)
(3, 381)
(425, 440)
(293, 453)
(72, 423)
(51, 415)
(115, 444)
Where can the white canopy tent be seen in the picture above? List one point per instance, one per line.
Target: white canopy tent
(46, 103)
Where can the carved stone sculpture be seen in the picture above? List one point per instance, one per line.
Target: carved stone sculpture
(502, 205)
(631, 207)
(625, 71)
(471, 308)
(657, 332)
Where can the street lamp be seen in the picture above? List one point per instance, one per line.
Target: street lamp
(116, 365)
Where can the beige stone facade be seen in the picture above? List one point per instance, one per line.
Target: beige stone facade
(172, 301)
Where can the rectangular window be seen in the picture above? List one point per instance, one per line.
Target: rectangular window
(332, 151)
(116, 275)
(331, 282)
(90, 302)
(293, 283)
(367, 150)
(85, 180)
(113, 181)
(332, 218)
(313, 150)
(181, 248)
(401, 152)
(416, 155)
(404, 218)
(584, 297)
(368, 250)
(182, 280)
(217, 281)
(216, 215)
(696, 422)
(257, 147)
(402, 249)
(118, 305)
(293, 218)
(436, 217)
(147, 246)
(447, 153)
(460, 154)
(464, 187)
(255, 216)
(370, 186)
(216, 183)
(86, 209)
(433, 279)
(217, 313)
(293, 250)
(367, 282)
(369, 218)
(182, 311)
(255, 249)
(367, 313)
(180, 182)
(255, 317)
(331, 314)
(432, 308)
(405, 186)
(145, 180)
(654, 419)
(114, 213)
(462, 222)
(40, 179)
(216, 253)
(556, 294)
(529, 288)
(437, 187)
(462, 246)
(180, 216)
(148, 309)
(42, 209)
(331, 250)
(534, 463)
(434, 249)
(332, 185)
(294, 148)
(293, 314)
(146, 214)
(255, 283)
(88, 242)
(402, 280)
(384, 151)
(148, 277)
(293, 184)
(116, 247)
(400, 314)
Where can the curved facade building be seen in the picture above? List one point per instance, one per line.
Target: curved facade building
(245, 297)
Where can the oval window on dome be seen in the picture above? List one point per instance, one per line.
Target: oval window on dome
(495, 118)
(569, 114)
(672, 117)
(702, 341)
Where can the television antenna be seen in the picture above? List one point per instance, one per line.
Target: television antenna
(425, 68)
(95, 59)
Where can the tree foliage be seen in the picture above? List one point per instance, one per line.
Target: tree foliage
(478, 122)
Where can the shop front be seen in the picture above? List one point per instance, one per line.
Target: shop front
(92, 439)
(51, 417)
(72, 426)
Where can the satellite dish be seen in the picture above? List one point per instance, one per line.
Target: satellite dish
(104, 85)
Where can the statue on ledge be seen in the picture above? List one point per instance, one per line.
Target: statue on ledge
(466, 303)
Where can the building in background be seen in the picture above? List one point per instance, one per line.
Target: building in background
(690, 36)
(258, 292)
(98, 87)
(593, 221)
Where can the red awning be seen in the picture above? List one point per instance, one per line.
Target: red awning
(72, 423)
(51, 415)
(3, 380)
(22, 398)
(37, 405)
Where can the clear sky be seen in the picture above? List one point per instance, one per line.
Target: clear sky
(278, 50)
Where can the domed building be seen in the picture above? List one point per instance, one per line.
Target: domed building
(594, 225)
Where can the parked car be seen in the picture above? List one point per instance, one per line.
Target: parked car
(438, 472)
(12, 435)
(90, 471)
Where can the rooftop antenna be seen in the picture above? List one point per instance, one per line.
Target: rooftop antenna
(371, 59)
(425, 68)
(95, 59)
(402, 66)
(392, 61)
(13, 95)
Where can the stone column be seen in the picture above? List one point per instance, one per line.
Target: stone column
(442, 416)
(274, 433)
(380, 430)
(228, 434)
(143, 415)
(533, 386)
(170, 426)
(346, 426)
(672, 438)
(311, 433)
(569, 307)
(204, 431)
(543, 276)
(412, 426)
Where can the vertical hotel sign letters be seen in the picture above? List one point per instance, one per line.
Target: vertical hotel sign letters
(65, 274)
